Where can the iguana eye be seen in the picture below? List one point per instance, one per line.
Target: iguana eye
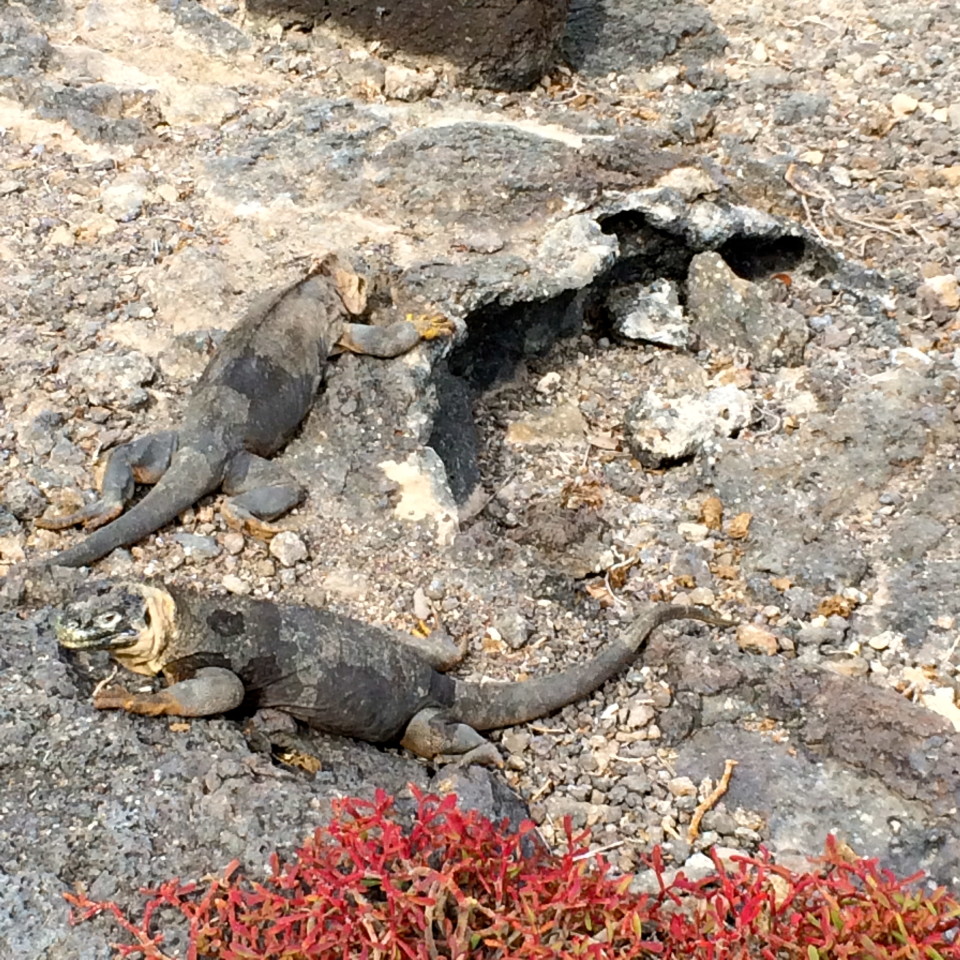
(107, 621)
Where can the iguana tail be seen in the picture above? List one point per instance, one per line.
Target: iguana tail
(191, 476)
(487, 706)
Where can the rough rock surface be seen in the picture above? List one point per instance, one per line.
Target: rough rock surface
(493, 43)
(163, 163)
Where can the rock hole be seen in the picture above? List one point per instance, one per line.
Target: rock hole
(756, 258)
(646, 252)
(502, 336)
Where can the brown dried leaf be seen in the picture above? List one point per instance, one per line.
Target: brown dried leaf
(598, 590)
(739, 526)
(711, 512)
(836, 605)
(603, 440)
(301, 761)
(582, 492)
(492, 644)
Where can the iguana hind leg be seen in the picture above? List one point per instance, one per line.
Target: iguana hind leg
(210, 691)
(432, 734)
(437, 647)
(142, 461)
(259, 491)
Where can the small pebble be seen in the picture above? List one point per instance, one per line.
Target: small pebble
(903, 104)
(694, 532)
(288, 548)
(421, 605)
(755, 639)
(197, 546)
(639, 716)
(233, 584)
(849, 667)
(233, 542)
(682, 787)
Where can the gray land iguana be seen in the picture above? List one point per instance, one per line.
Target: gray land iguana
(246, 405)
(331, 672)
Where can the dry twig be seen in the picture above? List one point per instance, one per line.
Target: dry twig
(694, 830)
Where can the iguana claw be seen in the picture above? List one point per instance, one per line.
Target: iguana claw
(236, 518)
(431, 326)
(113, 698)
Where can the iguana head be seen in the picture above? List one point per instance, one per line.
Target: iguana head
(131, 620)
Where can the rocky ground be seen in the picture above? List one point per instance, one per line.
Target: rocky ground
(621, 417)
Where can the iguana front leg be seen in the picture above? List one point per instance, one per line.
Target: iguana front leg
(432, 734)
(142, 461)
(259, 491)
(395, 339)
(210, 691)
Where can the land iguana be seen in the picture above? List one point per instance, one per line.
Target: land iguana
(334, 673)
(247, 404)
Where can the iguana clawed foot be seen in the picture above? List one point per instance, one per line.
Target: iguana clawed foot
(114, 697)
(210, 691)
(93, 516)
(430, 326)
(432, 734)
(243, 521)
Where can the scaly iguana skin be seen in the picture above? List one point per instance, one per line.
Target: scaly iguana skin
(246, 405)
(329, 671)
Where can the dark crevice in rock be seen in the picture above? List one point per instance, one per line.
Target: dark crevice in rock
(501, 336)
(755, 259)
(646, 253)
(454, 437)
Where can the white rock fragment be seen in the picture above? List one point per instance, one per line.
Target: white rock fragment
(233, 543)
(549, 382)
(233, 584)
(941, 291)
(689, 182)
(902, 104)
(682, 787)
(425, 497)
(693, 532)
(421, 605)
(659, 428)
(575, 250)
(288, 548)
(402, 83)
(123, 198)
(563, 424)
(650, 312)
(639, 716)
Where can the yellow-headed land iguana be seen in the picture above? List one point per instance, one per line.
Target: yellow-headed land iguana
(247, 404)
(331, 672)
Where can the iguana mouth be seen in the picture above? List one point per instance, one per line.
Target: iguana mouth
(101, 636)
